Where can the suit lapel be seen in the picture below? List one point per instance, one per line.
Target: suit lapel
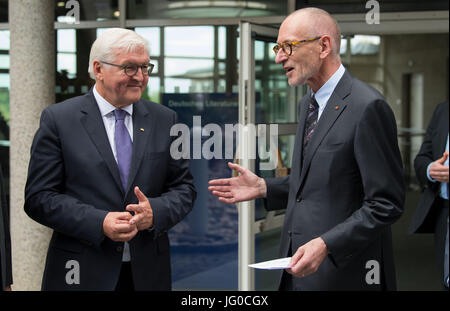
(326, 121)
(143, 124)
(93, 123)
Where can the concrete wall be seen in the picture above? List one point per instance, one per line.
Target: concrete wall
(32, 72)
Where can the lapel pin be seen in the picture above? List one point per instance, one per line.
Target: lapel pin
(336, 107)
(141, 129)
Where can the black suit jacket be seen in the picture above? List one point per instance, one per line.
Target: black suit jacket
(432, 148)
(73, 182)
(5, 239)
(349, 190)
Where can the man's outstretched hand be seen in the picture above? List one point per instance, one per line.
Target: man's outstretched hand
(247, 186)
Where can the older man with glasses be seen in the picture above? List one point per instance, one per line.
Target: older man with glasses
(102, 177)
(346, 188)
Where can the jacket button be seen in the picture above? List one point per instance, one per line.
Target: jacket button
(299, 199)
(119, 249)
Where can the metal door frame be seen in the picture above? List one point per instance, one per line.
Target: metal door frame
(247, 229)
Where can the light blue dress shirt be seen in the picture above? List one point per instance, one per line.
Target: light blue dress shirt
(443, 192)
(324, 93)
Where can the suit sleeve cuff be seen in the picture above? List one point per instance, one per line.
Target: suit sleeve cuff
(160, 217)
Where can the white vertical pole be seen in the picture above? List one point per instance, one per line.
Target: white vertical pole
(247, 147)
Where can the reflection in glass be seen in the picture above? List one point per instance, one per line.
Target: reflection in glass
(365, 45)
(4, 39)
(66, 65)
(269, 51)
(66, 53)
(4, 96)
(152, 35)
(286, 146)
(153, 90)
(271, 84)
(4, 61)
(72, 62)
(66, 40)
(222, 42)
(221, 87)
(155, 68)
(180, 85)
(343, 49)
(259, 50)
(99, 31)
(188, 67)
(196, 41)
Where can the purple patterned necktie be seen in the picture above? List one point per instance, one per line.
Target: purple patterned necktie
(123, 143)
(311, 122)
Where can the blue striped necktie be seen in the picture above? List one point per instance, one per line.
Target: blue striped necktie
(311, 122)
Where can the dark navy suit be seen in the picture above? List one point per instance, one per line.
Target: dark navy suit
(432, 211)
(348, 191)
(73, 182)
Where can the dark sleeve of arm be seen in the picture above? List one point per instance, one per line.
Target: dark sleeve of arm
(378, 158)
(277, 193)
(178, 198)
(6, 220)
(425, 155)
(45, 200)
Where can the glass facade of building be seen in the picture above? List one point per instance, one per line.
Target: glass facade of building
(195, 50)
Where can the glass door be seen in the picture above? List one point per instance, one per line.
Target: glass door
(268, 115)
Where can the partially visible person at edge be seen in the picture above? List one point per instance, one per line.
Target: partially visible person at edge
(431, 165)
(5, 240)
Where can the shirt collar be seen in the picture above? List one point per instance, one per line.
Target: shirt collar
(324, 93)
(105, 107)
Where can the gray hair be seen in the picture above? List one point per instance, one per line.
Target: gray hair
(106, 46)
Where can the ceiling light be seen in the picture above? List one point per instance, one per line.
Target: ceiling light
(212, 3)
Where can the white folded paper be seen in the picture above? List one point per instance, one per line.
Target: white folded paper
(281, 263)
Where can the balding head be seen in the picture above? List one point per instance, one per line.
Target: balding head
(313, 22)
(313, 38)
